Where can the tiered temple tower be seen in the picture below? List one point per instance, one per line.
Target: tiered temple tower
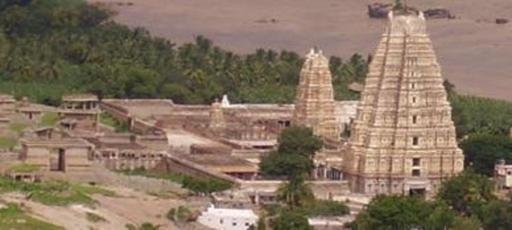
(314, 102)
(403, 138)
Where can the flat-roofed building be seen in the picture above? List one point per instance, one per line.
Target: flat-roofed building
(57, 154)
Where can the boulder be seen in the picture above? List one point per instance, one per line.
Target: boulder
(438, 13)
(501, 21)
(379, 10)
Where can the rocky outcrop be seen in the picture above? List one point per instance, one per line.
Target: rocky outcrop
(501, 21)
(381, 10)
(438, 13)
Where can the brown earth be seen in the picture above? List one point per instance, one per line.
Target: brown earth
(476, 53)
(127, 207)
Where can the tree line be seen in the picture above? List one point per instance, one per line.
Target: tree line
(52, 47)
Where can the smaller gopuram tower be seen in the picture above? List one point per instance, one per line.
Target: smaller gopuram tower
(314, 101)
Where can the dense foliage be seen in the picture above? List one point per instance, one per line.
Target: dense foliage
(400, 212)
(51, 47)
(291, 219)
(293, 160)
(466, 192)
(295, 193)
(326, 208)
(496, 214)
(465, 201)
(482, 151)
(205, 185)
(471, 194)
(294, 155)
(481, 115)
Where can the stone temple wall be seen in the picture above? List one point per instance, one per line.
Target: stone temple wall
(403, 138)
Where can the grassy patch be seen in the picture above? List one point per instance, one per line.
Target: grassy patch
(49, 119)
(194, 184)
(314, 208)
(12, 217)
(119, 126)
(144, 226)
(95, 218)
(54, 192)
(7, 143)
(23, 168)
(63, 193)
(17, 127)
(148, 226)
(326, 208)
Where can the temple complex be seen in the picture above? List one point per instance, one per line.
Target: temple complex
(403, 138)
(314, 103)
(398, 139)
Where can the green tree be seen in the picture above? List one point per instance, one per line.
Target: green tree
(299, 140)
(466, 223)
(467, 192)
(482, 151)
(295, 153)
(481, 115)
(289, 219)
(404, 212)
(496, 214)
(295, 193)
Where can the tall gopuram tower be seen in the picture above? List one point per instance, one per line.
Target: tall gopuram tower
(403, 138)
(314, 101)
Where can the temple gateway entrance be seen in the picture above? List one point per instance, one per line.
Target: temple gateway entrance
(421, 192)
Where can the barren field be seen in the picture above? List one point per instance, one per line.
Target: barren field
(128, 207)
(476, 53)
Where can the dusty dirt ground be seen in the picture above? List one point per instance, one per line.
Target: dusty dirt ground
(475, 53)
(128, 207)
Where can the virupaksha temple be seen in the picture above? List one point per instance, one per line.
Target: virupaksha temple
(399, 138)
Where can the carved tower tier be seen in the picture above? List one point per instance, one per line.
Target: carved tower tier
(314, 102)
(403, 139)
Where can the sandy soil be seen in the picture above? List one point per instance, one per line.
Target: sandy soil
(182, 139)
(475, 53)
(130, 207)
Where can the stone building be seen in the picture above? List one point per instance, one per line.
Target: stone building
(7, 104)
(128, 151)
(61, 154)
(503, 175)
(80, 111)
(403, 138)
(314, 102)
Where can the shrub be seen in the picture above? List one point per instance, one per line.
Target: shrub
(49, 119)
(95, 218)
(326, 208)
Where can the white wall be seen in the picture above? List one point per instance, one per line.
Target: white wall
(227, 221)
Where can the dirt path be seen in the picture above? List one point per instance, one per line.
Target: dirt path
(474, 52)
